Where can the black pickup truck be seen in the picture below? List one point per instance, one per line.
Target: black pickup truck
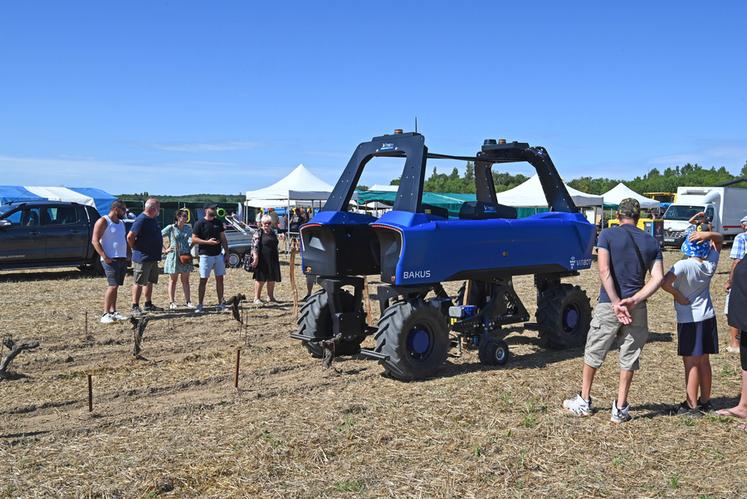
(48, 234)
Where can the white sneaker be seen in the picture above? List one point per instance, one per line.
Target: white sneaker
(117, 316)
(199, 309)
(620, 415)
(221, 307)
(107, 318)
(173, 305)
(189, 305)
(257, 301)
(578, 406)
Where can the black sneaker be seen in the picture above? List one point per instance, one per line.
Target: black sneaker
(685, 410)
(705, 407)
(149, 307)
(136, 312)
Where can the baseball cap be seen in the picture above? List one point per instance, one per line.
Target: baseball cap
(210, 205)
(744, 220)
(629, 207)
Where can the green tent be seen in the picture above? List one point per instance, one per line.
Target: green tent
(446, 200)
(450, 201)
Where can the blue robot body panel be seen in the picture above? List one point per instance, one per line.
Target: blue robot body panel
(437, 250)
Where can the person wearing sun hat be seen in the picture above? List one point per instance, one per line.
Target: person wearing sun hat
(689, 283)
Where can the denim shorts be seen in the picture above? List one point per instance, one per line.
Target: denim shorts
(208, 263)
(115, 273)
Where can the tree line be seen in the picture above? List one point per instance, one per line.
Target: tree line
(186, 198)
(653, 181)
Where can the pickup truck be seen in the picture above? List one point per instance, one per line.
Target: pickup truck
(48, 234)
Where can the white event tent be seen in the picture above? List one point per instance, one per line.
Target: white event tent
(299, 187)
(529, 194)
(621, 191)
(383, 188)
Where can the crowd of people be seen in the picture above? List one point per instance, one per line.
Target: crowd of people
(146, 244)
(626, 255)
(287, 222)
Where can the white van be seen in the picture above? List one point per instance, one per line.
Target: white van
(724, 206)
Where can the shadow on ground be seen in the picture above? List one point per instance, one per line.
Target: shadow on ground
(43, 275)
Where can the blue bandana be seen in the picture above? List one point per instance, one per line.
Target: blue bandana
(699, 249)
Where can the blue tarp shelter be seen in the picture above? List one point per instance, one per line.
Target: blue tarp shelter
(99, 199)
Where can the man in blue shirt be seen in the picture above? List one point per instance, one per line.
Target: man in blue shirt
(146, 243)
(620, 319)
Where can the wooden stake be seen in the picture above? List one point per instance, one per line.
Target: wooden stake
(292, 270)
(86, 324)
(367, 301)
(467, 292)
(90, 393)
(236, 371)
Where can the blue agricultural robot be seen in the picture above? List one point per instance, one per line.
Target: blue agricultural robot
(414, 248)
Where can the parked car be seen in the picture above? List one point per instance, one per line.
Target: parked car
(48, 234)
(239, 244)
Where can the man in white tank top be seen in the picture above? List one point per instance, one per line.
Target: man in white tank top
(110, 242)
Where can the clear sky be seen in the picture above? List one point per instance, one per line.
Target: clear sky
(177, 97)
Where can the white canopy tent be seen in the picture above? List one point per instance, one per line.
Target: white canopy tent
(383, 188)
(530, 195)
(298, 187)
(621, 191)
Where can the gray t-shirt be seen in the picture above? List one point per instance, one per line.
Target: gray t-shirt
(694, 281)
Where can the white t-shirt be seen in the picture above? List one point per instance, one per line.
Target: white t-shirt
(694, 281)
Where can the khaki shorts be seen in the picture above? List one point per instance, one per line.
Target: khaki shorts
(606, 333)
(145, 272)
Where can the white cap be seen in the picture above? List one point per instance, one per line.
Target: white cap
(744, 220)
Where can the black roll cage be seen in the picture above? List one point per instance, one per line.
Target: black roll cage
(412, 147)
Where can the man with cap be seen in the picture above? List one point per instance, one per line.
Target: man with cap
(689, 282)
(738, 250)
(625, 254)
(209, 236)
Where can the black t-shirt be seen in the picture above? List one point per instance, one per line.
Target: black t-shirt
(206, 230)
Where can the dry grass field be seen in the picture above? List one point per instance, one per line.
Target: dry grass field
(173, 424)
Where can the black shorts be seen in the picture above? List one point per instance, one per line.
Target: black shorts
(743, 349)
(697, 338)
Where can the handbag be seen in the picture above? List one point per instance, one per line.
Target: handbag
(184, 258)
(248, 257)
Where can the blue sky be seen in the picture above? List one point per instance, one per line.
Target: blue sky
(177, 97)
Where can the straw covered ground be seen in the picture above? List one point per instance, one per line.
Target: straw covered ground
(174, 424)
